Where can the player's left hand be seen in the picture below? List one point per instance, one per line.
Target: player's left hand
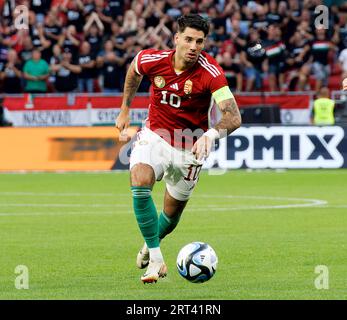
(344, 84)
(202, 147)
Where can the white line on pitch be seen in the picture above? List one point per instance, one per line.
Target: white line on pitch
(64, 205)
(189, 209)
(217, 196)
(61, 194)
(29, 214)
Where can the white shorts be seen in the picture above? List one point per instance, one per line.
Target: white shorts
(179, 168)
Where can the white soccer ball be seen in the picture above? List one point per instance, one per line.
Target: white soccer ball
(197, 262)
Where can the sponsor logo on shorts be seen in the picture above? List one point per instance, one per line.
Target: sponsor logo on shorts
(159, 81)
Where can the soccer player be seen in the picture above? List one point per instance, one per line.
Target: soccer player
(183, 82)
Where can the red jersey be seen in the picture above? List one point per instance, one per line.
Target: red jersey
(179, 101)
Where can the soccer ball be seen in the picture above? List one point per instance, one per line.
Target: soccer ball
(197, 262)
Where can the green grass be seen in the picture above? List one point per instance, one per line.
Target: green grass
(78, 237)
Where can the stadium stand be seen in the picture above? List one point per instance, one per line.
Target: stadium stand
(264, 45)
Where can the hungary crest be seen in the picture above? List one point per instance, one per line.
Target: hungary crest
(159, 81)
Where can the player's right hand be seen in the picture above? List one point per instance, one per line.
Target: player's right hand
(122, 123)
(344, 84)
(202, 147)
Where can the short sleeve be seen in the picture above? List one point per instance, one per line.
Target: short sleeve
(214, 74)
(137, 63)
(145, 60)
(219, 81)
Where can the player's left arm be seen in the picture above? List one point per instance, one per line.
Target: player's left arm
(231, 118)
(229, 122)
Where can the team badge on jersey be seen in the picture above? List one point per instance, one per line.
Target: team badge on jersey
(159, 81)
(188, 87)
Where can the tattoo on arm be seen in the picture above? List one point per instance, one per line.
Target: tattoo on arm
(231, 118)
(132, 83)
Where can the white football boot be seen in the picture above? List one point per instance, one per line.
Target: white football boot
(154, 271)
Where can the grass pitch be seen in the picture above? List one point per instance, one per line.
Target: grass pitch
(78, 236)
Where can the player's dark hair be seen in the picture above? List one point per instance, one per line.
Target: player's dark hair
(193, 21)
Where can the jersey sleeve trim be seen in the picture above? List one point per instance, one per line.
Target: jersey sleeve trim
(136, 64)
(212, 69)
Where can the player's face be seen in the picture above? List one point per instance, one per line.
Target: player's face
(189, 44)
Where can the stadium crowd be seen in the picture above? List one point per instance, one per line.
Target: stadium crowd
(86, 45)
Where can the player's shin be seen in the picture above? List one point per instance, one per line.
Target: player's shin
(147, 219)
(167, 224)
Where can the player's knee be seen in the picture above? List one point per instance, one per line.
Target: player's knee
(142, 175)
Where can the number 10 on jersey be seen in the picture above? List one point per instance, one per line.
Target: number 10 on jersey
(174, 99)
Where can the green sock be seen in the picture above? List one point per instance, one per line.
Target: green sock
(167, 224)
(146, 215)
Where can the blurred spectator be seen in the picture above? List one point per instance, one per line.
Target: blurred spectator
(66, 73)
(323, 108)
(40, 7)
(13, 38)
(74, 14)
(52, 27)
(296, 62)
(55, 60)
(105, 14)
(3, 51)
(342, 24)
(173, 9)
(293, 13)
(93, 32)
(7, 11)
(70, 40)
(276, 54)
(253, 58)
(112, 68)
(232, 71)
(229, 8)
(235, 25)
(11, 74)
(40, 42)
(204, 5)
(218, 28)
(130, 21)
(116, 8)
(260, 22)
(88, 74)
(36, 72)
(158, 37)
(237, 39)
(27, 52)
(154, 12)
(89, 7)
(320, 48)
(273, 17)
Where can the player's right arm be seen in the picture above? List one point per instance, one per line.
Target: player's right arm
(132, 82)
